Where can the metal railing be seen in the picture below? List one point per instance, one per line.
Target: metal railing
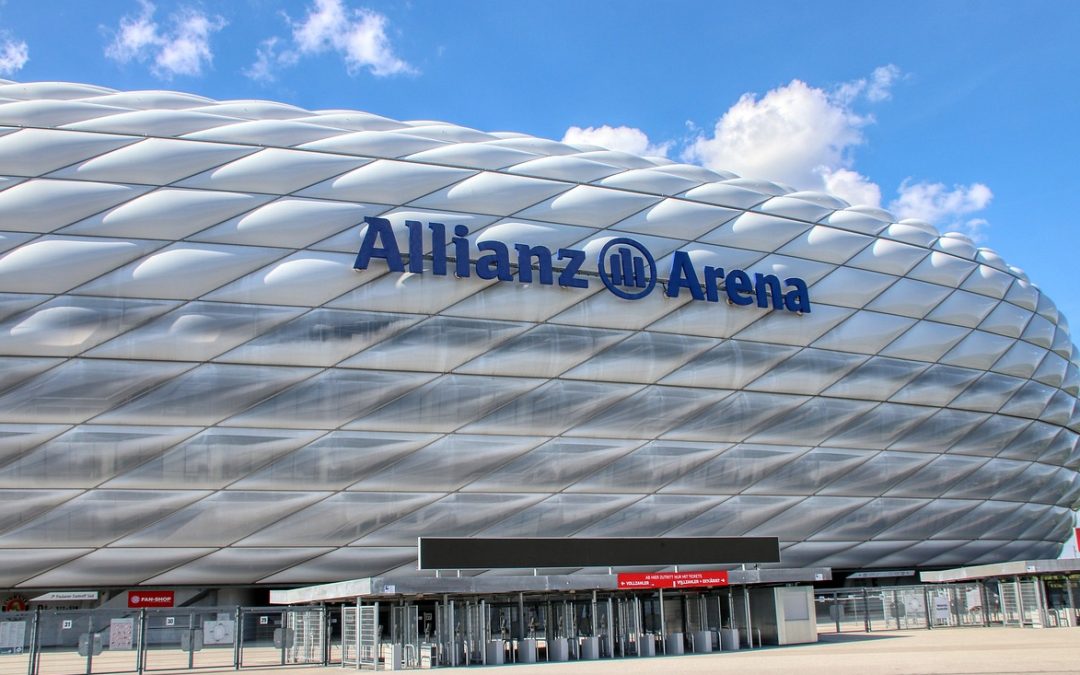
(100, 641)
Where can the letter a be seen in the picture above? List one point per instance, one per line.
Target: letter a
(379, 230)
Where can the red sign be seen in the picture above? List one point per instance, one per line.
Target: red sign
(138, 599)
(631, 580)
(1078, 539)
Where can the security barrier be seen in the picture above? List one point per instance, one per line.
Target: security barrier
(99, 641)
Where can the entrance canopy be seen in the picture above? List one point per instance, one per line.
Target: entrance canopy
(392, 586)
(1017, 568)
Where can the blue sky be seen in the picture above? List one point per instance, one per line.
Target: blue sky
(961, 113)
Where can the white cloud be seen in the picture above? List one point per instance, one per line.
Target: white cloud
(181, 49)
(13, 54)
(624, 139)
(949, 209)
(851, 186)
(795, 134)
(358, 36)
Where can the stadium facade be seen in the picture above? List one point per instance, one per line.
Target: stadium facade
(247, 343)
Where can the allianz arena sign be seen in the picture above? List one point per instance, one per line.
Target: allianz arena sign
(625, 267)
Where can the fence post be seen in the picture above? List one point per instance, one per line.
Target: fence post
(866, 610)
(926, 603)
(236, 637)
(31, 668)
(140, 649)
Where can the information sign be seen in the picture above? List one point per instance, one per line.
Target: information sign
(138, 599)
(631, 580)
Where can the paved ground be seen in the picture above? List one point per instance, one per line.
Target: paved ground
(957, 651)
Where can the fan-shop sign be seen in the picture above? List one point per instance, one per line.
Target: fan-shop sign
(632, 580)
(625, 266)
(139, 599)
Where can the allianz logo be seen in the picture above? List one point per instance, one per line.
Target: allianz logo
(625, 267)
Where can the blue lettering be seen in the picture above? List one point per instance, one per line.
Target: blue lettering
(797, 299)
(526, 254)
(495, 265)
(379, 230)
(683, 276)
(568, 277)
(763, 282)
(738, 282)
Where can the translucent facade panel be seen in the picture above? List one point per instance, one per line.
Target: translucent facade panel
(552, 408)
(14, 370)
(21, 506)
(67, 326)
(492, 193)
(791, 329)
(938, 476)
(807, 516)
(321, 337)
(332, 462)
(236, 566)
(820, 466)
(990, 437)
(756, 231)
(1031, 442)
(307, 279)
(448, 463)
(206, 394)
(888, 257)
(942, 268)
(987, 516)
(880, 427)
(869, 519)
(989, 393)
(964, 309)
(574, 169)
(812, 422)
(81, 388)
(559, 515)
(651, 516)
(910, 297)
(89, 455)
(978, 350)
(274, 171)
(446, 403)
(1030, 400)
(346, 563)
(989, 478)
(877, 379)
(33, 152)
(544, 351)
(675, 217)
(734, 516)
(925, 341)
(648, 413)
(212, 459)
(387, 182)
(204, 267)
(197, 331)
(1006, 319)
(865, 332)
(19, 564)
(649, 468)
(437, 345)
(730, 365)
(1034, 484)
(828, 244)
(807, 372)
(57, 264)
(643, 357)
(329, 399)
(937, 385)
(1059, 449)
(220, 519)
(45, 205)
(589, 206)
(15, 439)
(1022, 359)
(168, 213)
(878, 474)
(339, 519)
(156, 161)
(850, 287)
(602, 310)
(456, 515)
(930, 519)
(734, 469)
(555, 465)
(736, 417)
(116, 566)
(99, 515)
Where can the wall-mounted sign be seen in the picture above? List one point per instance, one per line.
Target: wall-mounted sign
(66, 596)
(632, 580)
(625, 267)
(139, 599)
